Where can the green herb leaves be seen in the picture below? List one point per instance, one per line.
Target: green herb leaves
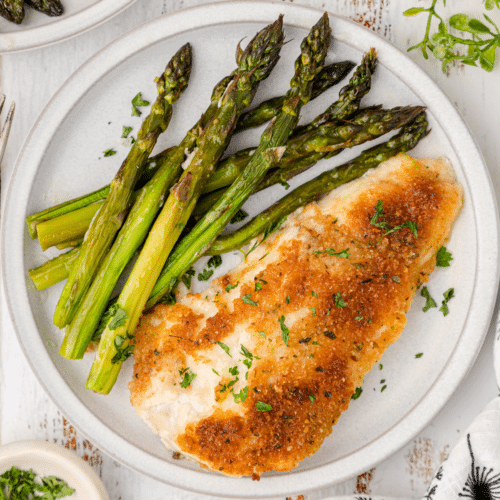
(480, 48)
(443, 257)
(122, 352)
(138, 101)
(357, 393)
(285, 332)
(230, 287)
(126, 131)
(109, 152)
(187, 377)
(247, 300)
(448, 295)
(261, 406)
(343, 254)
(270, 228)
(18, 484)
(429, 301)
(412, 226)
(339, 301)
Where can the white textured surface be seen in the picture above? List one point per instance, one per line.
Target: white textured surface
(26, 412)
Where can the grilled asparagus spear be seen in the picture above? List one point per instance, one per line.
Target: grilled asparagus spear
(254, 65)
(313, 53)
(331, 75)
(13, 10)
(407, 139)
(50, 7)
(110, 218)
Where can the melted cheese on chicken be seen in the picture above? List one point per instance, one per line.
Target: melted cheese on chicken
(251, 375)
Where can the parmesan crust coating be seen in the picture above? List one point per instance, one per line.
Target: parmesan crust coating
(278, 356)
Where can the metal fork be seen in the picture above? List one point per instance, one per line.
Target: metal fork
(4, 134)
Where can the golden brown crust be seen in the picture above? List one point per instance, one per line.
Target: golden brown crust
(341, 314)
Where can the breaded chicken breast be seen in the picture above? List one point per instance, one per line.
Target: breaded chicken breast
(250, 375)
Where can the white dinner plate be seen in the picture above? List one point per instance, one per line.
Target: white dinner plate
(38, 30)
(63, 158)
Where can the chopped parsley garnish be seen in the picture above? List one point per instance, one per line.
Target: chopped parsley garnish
(216, 372)
(224, 347)
(285, 332)
(122, 353)
(270, 228)
(241, 396)
(312, 398)
(187, 276)
(119, 317)
(214, 261)
(136, 102)
(443, 257)
(230, 287)
(247, 300)
(234, 371)
(262, 333)
(339, 301)
(429, 301)
(383, 388)
(109, 152)
(380, 366)
(246, 352)
(239, 216)
(126, 131)
(187, 377)
(343, 254)
(19, 484)
(448, 295)
(357, 393)
(287, 300)
(314, 294)
(412, 226)
(313, 310)
(205, 275)
(247, 362)
(258, 286)
(260, 406)
(419, 355)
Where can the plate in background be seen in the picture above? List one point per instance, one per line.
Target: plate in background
(86, 117)
(38, 30)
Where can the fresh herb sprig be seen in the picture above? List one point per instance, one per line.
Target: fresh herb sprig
(481, 47)
(19, 484)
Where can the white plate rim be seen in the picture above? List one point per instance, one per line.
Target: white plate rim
(487, 265)
(63, 28)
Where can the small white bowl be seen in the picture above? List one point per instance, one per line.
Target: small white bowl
(48, 459)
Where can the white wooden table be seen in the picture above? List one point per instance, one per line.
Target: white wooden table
(32, 78)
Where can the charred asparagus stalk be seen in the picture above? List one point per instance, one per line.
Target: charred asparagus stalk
(204, 204)
(132, 234)
(50, 7)
(367, 124)
(13, 10)
(313, 53)
(331, 75)
(110, 218)
(407, 139)
(254, 65)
